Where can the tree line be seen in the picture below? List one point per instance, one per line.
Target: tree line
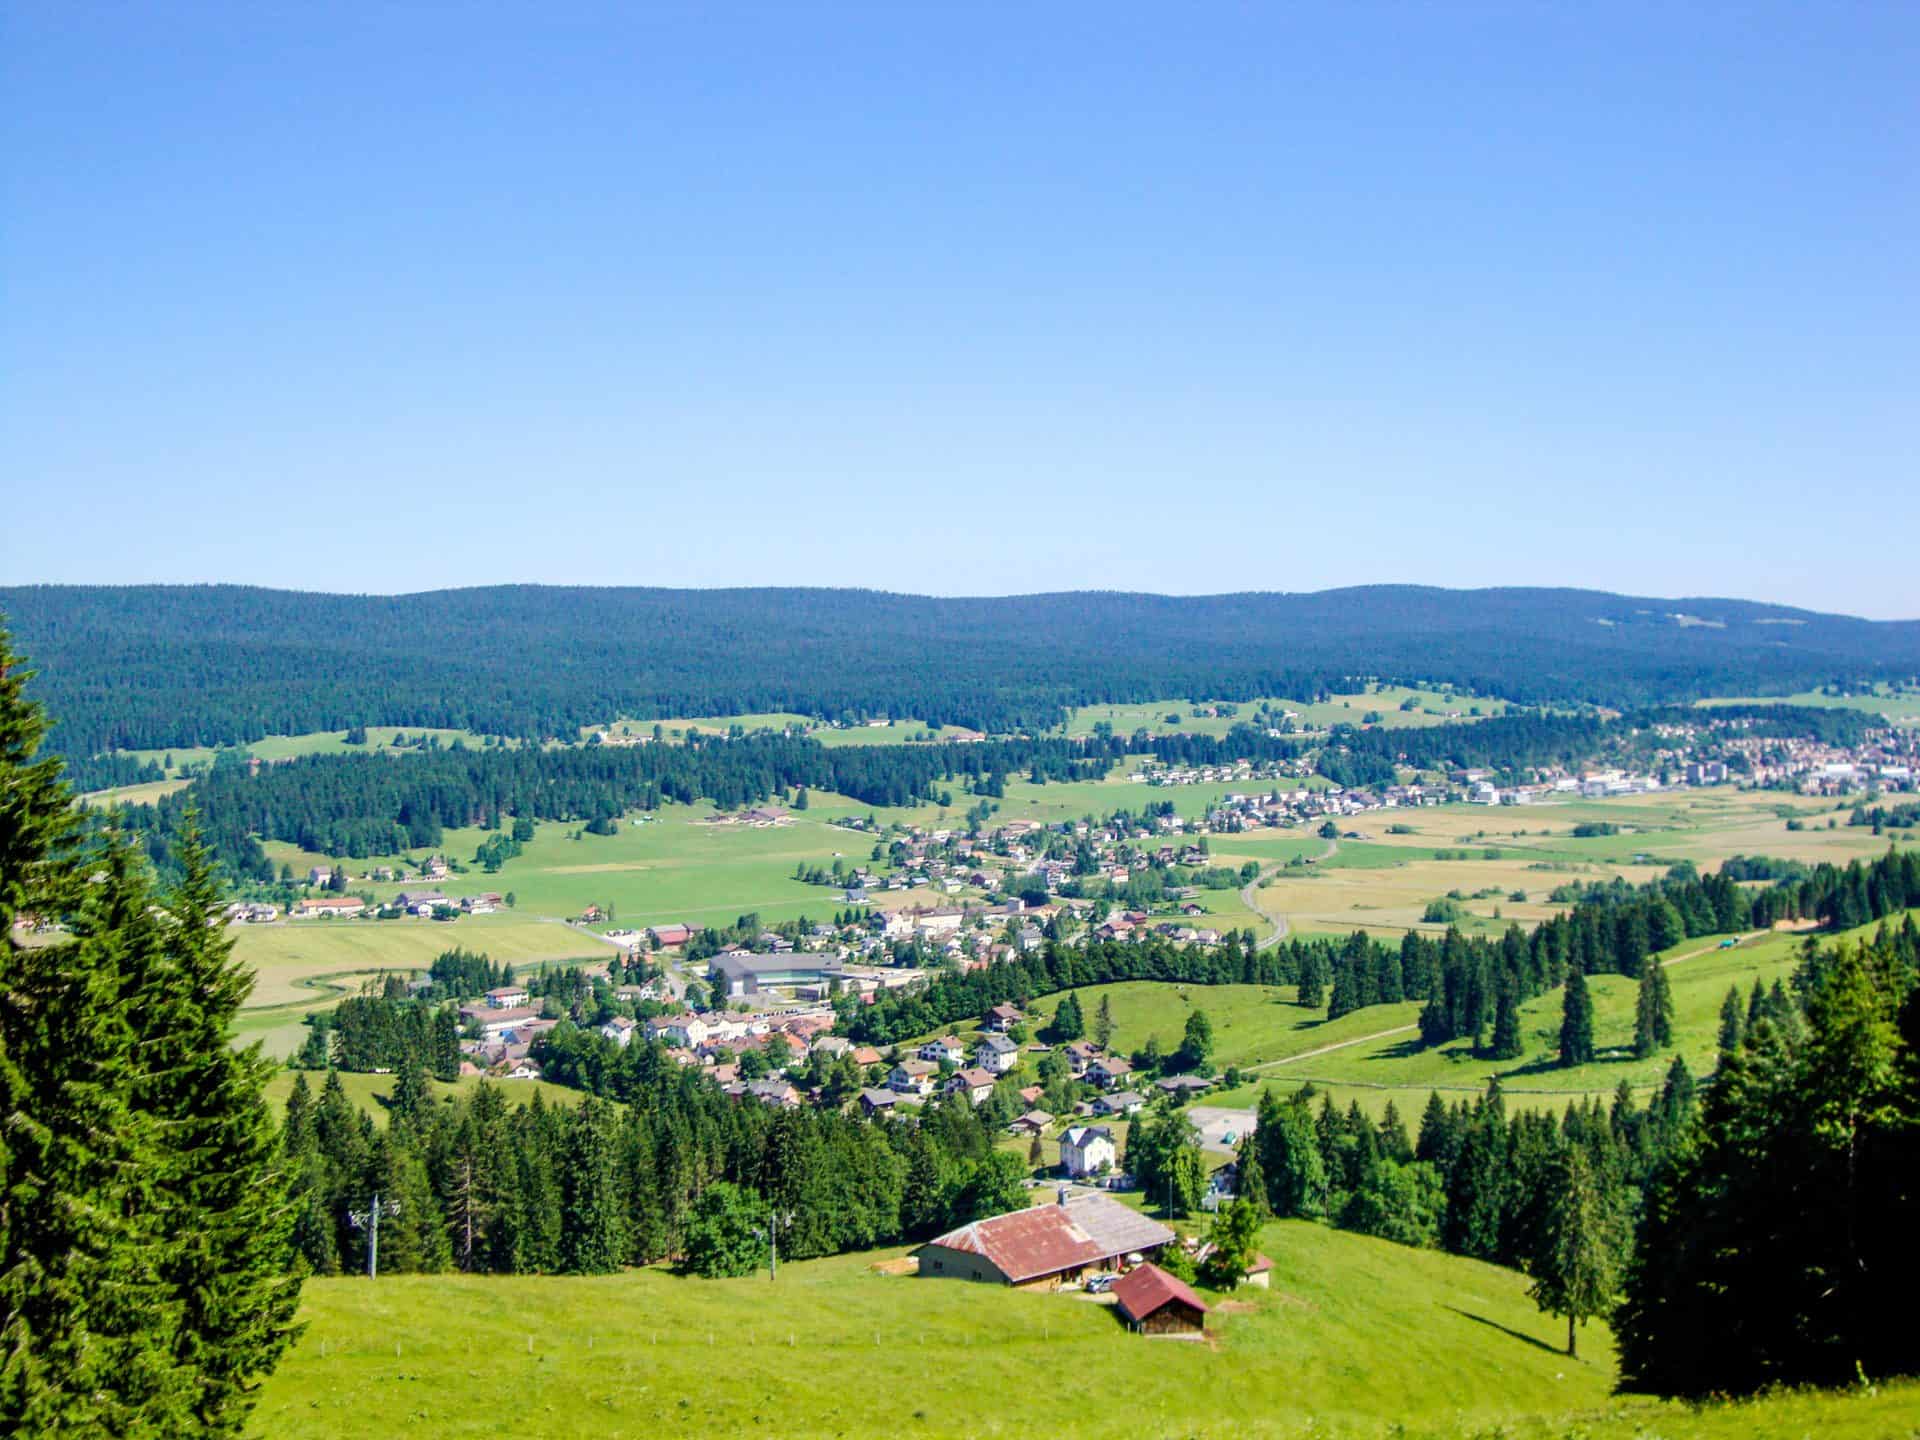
(147, 1277)
(140, 667)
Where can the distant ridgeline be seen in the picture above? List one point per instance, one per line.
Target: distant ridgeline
(157, 666)
(361, 805)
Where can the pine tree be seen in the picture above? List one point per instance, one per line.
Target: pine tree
(1576, 1021)
(592, 1230)
(1576, 1271)
(1250, 1180)
(1733, 1021)
(1506, 1022)
(231, 1263)
(1653, 1013)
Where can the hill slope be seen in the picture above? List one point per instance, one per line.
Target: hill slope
(181, 665)
(1356, 1337)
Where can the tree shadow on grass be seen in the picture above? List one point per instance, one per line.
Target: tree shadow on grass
(1537, 1344)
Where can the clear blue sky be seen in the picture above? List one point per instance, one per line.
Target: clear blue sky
(1006, 298)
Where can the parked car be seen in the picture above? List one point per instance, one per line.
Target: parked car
(1099, 1284)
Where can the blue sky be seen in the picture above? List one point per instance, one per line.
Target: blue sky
(964, 299)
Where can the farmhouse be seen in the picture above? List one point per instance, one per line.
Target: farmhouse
(1044, 1247)
(1087, 1150)
(1156, 1303)
(669, 934)
(327, 905)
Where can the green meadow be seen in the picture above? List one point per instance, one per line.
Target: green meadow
(1355, 1338)
(1432, 707)
(1901, 707)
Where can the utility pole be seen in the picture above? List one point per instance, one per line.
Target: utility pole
(369, 1221)
(771, 1231)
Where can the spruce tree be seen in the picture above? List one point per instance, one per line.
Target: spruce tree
(1576, 1270)
(1506, 1023)
(592, 1227)
(1103, 1023)
(1733, 1021)
(1576, 1021)
(230, 1266)
(1653, 1013)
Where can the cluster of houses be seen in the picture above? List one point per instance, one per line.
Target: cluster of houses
(424, 903)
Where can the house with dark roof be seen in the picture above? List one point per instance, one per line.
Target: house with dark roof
(1046, 1246)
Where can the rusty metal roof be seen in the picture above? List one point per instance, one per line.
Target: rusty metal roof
(1147, 1288)
(1025, 1244)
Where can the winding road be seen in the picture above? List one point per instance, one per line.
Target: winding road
(1280, 927)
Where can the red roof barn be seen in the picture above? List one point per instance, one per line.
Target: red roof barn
(1156, 1303)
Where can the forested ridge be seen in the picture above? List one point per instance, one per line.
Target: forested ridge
(152, 666)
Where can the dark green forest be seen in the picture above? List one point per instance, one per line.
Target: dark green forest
(150, 666)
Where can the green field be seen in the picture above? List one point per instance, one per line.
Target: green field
(288, 957)
(1356, 1337)
(289, 747)
(1433, 708)
(1902, 707)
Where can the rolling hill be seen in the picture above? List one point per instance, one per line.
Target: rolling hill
(146, 666)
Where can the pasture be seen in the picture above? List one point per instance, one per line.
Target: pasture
(1431, 707)
(293, 961)
(1384, 881)
(1357, 1338)
(1901, 707)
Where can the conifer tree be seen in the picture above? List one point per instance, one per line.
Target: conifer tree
(592, 1228)
(1506, 1022)
(1577, 1267)
(1653, 1013)
(1103, 1023)
(1733, 1021)
(230, 1265)
(1576, 1021)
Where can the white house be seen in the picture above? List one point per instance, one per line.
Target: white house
(950, 1048)
(619, 1030)
(680, 1032)
(996, 1053)
(507, 997)
(1088, 1150)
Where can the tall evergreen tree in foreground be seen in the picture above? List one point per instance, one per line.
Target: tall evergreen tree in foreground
(1778, 1237)
(1576, 1270)
(144, 1264)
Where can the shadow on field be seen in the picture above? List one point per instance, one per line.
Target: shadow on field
(1507, 1330)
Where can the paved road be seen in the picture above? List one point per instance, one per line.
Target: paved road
(1280, 927)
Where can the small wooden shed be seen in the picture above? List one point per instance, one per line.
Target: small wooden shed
(1156, 1303)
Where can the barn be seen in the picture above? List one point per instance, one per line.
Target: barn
(1156, 1303)
(1046, 1246)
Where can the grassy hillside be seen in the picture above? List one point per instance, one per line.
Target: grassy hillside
(1356, 1337)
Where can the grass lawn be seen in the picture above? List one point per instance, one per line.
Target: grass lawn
(1356, 1337)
